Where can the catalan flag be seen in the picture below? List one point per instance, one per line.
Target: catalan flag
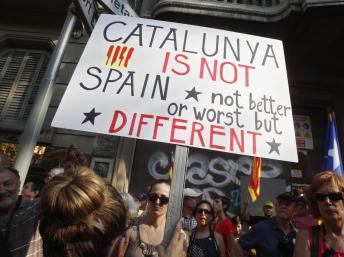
(332, 157)
(170, 171)
(254, 185)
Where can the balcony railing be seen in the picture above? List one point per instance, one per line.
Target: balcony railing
(266, 3)
(257, 10)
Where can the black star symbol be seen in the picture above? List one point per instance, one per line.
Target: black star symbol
(192, 93)
(274, 146)
(90, 116)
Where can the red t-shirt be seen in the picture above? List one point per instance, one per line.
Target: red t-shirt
(225, 227)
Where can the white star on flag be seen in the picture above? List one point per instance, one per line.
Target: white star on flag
(333, 158)
(334, 153)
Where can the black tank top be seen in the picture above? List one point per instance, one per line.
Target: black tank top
(203, 247)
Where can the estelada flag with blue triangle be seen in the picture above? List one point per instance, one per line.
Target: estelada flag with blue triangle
(332, 157)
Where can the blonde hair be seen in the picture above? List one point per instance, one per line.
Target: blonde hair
(80, 215)
(326, 177)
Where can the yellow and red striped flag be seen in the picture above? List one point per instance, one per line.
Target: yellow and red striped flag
(171, 161)
(254, 185)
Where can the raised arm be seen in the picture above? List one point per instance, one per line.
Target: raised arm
(245, 211)
(302, 244)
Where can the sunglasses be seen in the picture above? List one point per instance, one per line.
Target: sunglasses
(154, 197)
(206, 211)
(334, 197)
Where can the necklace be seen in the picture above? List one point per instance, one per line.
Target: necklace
(148, 250)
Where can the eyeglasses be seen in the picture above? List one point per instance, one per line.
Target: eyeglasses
(206, 211)
(162, 198)
(334, 197)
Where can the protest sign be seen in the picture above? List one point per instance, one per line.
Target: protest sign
(182, 84)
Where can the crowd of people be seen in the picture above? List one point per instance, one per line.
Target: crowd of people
(76, 213)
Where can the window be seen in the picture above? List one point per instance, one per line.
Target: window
(21, 72)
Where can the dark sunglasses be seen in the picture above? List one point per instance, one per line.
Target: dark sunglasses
(334, 197)
(206, 211)
(154, 197)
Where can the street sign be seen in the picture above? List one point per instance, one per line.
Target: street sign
(119, 7)
(182, 84)
(88, 12)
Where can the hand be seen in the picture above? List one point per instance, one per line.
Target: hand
(178, 244)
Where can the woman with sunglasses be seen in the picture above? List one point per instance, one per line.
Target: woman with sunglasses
(143, 239)
(325, 197)
(204, 242)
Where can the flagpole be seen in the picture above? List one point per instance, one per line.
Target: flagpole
(176, 192)
(35, 121)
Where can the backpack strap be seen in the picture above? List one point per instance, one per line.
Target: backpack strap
(315, 230)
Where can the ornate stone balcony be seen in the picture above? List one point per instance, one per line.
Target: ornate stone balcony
(255, 10)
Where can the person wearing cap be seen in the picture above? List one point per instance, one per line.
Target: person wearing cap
(273, 237)
(19, 236)
(191, 198)
(143, 197)
(267, 208)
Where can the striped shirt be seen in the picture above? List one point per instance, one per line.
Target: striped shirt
(24, 239)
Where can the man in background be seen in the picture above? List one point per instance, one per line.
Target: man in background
(19, 236)
(273, 237)
(191, 198)
(267, 208)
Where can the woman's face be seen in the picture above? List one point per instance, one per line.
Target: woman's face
(330, 202)
(203, 215)
(158, 199)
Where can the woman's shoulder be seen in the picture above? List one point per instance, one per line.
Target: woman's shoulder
(131, 233)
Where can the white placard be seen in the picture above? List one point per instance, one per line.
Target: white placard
(182, 84)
